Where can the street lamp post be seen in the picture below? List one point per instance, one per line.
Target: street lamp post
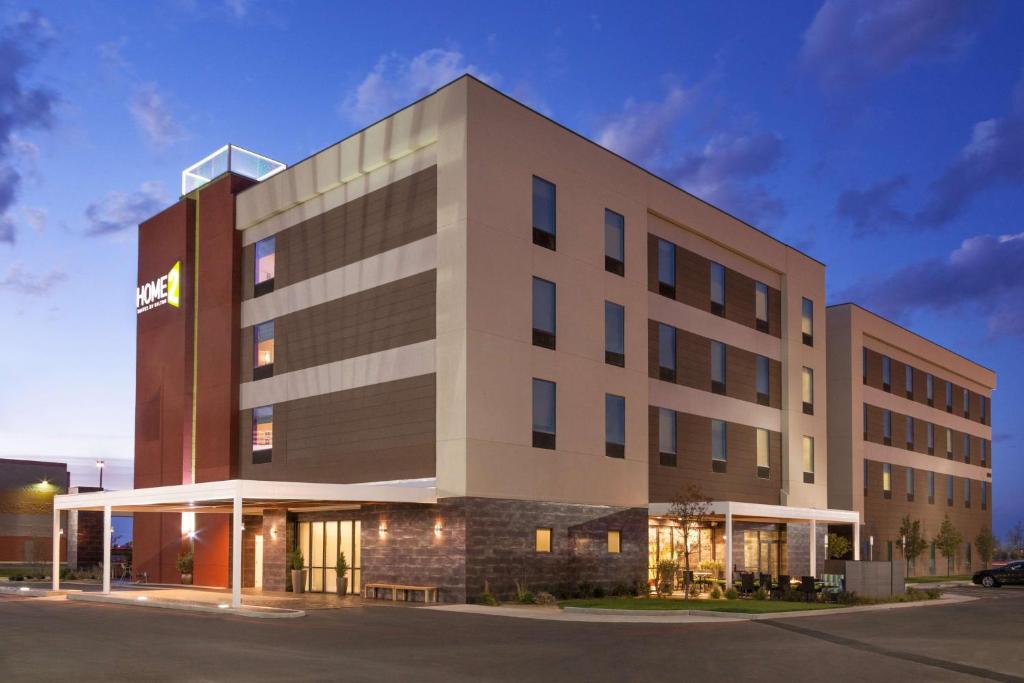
(99, 466)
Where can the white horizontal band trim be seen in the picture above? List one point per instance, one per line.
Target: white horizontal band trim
(761, 510)
(938, 416)
(684, 399)
(373, 368)
(923, 462)
(409, 259)
(690, 319)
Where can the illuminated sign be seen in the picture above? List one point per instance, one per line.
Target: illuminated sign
(166, 289)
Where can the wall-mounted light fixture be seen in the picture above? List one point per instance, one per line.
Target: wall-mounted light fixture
(438, 528)
(188, 524)
(382, 528)
(273, 532)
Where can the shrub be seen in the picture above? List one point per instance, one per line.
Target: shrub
(17, 577)
(846, 598)
(716, 593)
(545, 598)
(761, 594)
(620, 589)
(599, 592)
(65, 574)
(667, 570)
(933, 593)
(731, 594)
(487, 599)
(585, 590)
(296, 560)
(640, 587)
(184, 562)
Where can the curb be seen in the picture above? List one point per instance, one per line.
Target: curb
(251, 612)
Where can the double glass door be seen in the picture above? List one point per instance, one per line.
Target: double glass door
(320, 543)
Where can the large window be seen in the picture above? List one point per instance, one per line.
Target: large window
(719, 445)
(886, 480)
(887, 427)
(718, 367)
(910, 433)
(666, 268)
(614, 242)
(763, 454)
(667, 449)
(931, 439)
(929, 383)
(984, 495)
(807, 390)
(542, 540)
(614, 426)
(909, 381)
(808, 453)
(614, 334)
(320, 543)
(910, 484)
(967, 493)
(543, 213)
(886, 373)
(967, 448)
(761, 306)
(543, 313)
(763, 381)
(949, 397)
(807, 321)
(263, 350)
(543, 414)
(949, 490)
(265, 251)
(262, 434)
(717, 288)
(666, 352)
(931, 486)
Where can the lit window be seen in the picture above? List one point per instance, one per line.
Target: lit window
(614, 242)
(807, 390)
(761, 306)
(543, 213)
(807, 321)
(263, 351)
(666, 268)
(615, 426)
(667, 352)
(763, 462)
(717, 288)
(543, 541)
(615, 542)
(967, 493)
(614, 334)
(718, 367)
(719, 449)
(264, 273)
(543, 414)
(949, 443)
(262, 434)
(543, 313)
(667, 437)
(808, 453)
(763, 380)
(886, 477)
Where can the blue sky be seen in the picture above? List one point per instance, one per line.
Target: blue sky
(885, 139)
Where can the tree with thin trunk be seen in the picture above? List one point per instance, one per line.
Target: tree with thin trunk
(948, 541)
(985, 542)
(838, 546)
(912, 542)
(1015, 541)
(691, 509)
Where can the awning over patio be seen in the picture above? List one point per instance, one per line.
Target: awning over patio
(234, 497)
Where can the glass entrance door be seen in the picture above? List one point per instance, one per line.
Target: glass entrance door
(320, 543)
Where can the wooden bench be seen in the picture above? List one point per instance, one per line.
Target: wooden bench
(373, 588)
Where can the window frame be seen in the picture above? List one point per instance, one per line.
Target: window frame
(763, 437)
(612, 448)
(718, 386)
(762, 325)
(807, 320)
(543, 338)
(763, 370)
(543, 237)
(541, 437)
(616, 266)
(667, 249)
(887, 480)
(671, 417)
(665, 372)
(719, 458)
(717, 278)
(265, 286)
(807, 457)
(611, 357)
(262, 370)
(807, 390)
(262, 456)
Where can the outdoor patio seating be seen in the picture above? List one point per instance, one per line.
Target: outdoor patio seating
(765, 583)
(807, 587)
(779, 592)
(747, 583)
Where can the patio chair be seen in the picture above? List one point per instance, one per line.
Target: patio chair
(747, 583)
(765, 583)
(807, 587)
(781, 587)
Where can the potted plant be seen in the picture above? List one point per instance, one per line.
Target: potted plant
(298, 573)
(185, 567)
(342, 575)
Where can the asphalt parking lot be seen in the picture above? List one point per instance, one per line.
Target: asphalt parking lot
(46, 640)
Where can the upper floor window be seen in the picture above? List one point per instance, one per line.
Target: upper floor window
(909, 381)
(864, 364)
(614, 426)
(865, 476)
(763, 454)
(543, 413)
(667, 437)
(886, 480)
(949, 490)
(984, 495)
(910, 484)
(808, 453)
(262, 434)
(719, 445)
(984, 452)
(614, 242)
(931, 486)
(763, 380)
(967, 493)
(949, 443)
(717, 288)
(967, 403)
(543, 313)
(543, 213)
(967, 448)
(930, 388)
(949, 397)
(886, 373)
(666, 268)
(263, 350)
(910, 433)
(807, 321)
(614, 334)
(265, 251)
(887, 427)
(807, 390)
(931, 439)
(983, 406)
(761, 306)
(666, 352)
(718, 367)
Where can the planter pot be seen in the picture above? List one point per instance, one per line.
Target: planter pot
(186, 579)
(342, 587)
(298, 581)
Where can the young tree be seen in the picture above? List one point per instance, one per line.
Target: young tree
(985, 542)
(1015, 541)
(838, 546)
(911, 541)
(691, 509)
(948, 541)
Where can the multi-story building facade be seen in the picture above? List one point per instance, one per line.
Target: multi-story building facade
(27, 488)
(910, 435)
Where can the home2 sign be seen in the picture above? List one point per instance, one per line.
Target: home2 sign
(166, 289)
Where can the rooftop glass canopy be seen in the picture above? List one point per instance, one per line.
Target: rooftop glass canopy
(228, 158)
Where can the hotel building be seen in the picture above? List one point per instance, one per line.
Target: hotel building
(466, 345)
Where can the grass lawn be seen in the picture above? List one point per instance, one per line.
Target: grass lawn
(744, 606)
(937, 579)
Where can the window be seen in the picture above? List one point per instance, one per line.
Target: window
(967, 493)
(886, 373)
(264, 271)
(886, 480)
(667, 352)
(865, 476)
(864, 365)
(763, 459)
(949, 490)
(909, 381)
(262, 434)
(807, 321)
(984, 495)
(930, 388)
(543, 414)
(543, 213)
(263, 350)
(763, 381)
(910, 484)
(931, 487)
(614, 426)
(614, 334)
(983, 406)
(761, 306)
(542, 541)
(887, 427)
(667, 437)
(719, 447)
(949, 443)
(718, 367)
(807, 390)
(543, 313)
(984, 452)
(666, 269)
(931, 439)
(967, 403)
(910, 433)
(808, 452)
(967, 448)
(614, 242)
(615, 542)
(949, 397)
(717, 288)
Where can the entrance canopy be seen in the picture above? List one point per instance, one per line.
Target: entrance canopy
(235, 497)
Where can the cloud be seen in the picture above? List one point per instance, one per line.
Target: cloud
(984, 274)
(642, 131)
(850, 41)
(22, 107)
(120, 211)
(36, 218)
(149, 108)
(871, 210)
(238, 8)
(396, 81)
(111, 57)
(21, 281)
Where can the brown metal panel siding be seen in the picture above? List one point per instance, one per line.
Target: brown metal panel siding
(652, 348)
(652, 263)
(921, 436)
(693, 360)
(920, 386)
(739, 298)
(875, 425)
(774, 312)
(774, 384)
(975, 406)
(874, 369)
(246, 349)
(248, 271)
(740, 374)
(899, 378)
(899, 430)
(374, 433)
(693, 279)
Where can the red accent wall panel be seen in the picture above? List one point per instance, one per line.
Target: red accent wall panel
(213, 540)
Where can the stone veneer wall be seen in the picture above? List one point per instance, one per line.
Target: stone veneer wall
(275, 550)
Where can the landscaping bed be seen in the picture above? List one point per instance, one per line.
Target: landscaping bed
(938, 579)
(735, 606)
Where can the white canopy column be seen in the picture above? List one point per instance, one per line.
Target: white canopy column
(106, 548)
(236, 552)
(814, 548)
(56, 549)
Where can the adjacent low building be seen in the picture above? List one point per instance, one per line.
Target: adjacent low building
(27, 488)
